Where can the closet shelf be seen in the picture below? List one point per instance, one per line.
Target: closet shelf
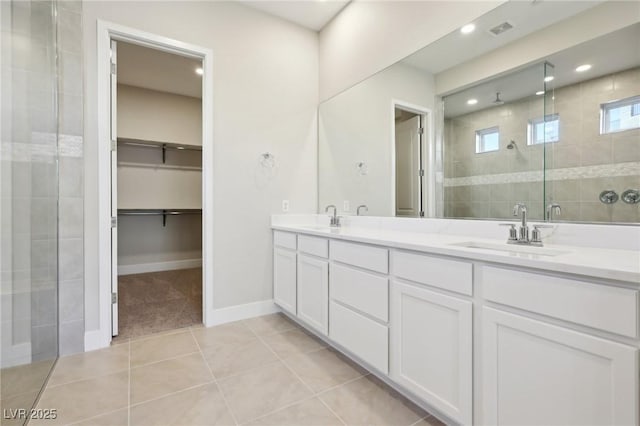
(159, 212)
(164, 146)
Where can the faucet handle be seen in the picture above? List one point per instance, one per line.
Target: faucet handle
(513, 233)
(536, 235)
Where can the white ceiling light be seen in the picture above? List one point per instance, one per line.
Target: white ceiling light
(583, 68)
(199, 71)
(540, 92)
(468, 29)
(472, 101)
(548, 78)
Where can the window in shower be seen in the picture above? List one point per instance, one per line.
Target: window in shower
(487, 140)
(620, 115)
(543, 130)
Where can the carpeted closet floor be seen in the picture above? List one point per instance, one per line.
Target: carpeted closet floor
(158, 301)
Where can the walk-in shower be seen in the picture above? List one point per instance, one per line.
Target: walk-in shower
(29, 195)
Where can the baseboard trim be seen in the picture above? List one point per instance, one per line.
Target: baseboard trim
(159, 266)
(95, 339)
(240, 312)
(18, 354)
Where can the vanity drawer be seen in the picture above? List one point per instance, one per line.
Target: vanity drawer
(448, 274)
(360, 290)
(364, 337)
(313, 245)
(284, 239)
(603, 307)
(367, 257)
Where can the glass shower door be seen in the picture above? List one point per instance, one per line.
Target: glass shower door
(28, 204)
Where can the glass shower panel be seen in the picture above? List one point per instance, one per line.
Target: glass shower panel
(29, 203)
(493, 147)
(591, 170)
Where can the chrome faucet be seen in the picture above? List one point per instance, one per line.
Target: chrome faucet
(362, 206)
(334, 219)
(523, 234)
(553, 208)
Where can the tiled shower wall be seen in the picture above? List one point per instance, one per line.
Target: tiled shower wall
(42, 179)
(578, 167)
(28, 183)
(71, 165)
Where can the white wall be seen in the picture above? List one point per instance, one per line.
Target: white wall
(158, 116)
(144, 244)
(265, 98)
(592, 23)
(357, 126)
(368, 36)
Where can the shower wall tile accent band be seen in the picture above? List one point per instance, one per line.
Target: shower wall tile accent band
(599, 171)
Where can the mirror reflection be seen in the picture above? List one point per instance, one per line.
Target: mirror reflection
(469, 127)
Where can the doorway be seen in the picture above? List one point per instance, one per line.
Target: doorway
(410, 144)
(157, 190)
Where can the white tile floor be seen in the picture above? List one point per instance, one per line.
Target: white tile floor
(262, 371)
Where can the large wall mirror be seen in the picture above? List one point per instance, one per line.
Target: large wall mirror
(539, 104)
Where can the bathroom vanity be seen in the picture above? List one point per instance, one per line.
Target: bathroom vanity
(472, 329)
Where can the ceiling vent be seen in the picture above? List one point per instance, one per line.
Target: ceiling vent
(499, 29)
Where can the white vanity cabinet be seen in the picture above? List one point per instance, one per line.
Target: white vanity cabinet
(476, 341)
(536, 372)
(431, 350)
(313, 282)
(359, 293)
(284, 270)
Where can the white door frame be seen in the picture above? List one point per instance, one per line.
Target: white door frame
(428, 155)
(107, 31)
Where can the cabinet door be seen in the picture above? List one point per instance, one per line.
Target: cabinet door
(542, 374)
(431, 348)
(284, 279)
(313, 292)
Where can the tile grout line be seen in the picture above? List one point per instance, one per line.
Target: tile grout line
(224, 398)
(172, 393)
(163, 360)
(314, 394)
(79, 421)
(129, 390)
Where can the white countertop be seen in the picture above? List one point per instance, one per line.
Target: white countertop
(611, 264)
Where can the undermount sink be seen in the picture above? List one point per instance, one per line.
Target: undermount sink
(320, 228)
(511, 249)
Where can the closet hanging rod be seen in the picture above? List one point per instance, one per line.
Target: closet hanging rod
(158, 145)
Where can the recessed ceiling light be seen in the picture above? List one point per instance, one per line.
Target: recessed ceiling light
(199, 71)
(472, 101)
(583, 68)
(548, 78)
(468, 29)
(540, 92)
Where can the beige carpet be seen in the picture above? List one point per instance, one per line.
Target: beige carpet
(159, 301)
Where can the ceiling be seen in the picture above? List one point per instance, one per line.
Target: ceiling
(616, 51)
(525, 16)
(312, 14)
(157, 70)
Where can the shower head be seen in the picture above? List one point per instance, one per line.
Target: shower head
(512, 144)
(498, 101)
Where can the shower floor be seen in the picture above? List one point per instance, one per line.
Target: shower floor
(158, 301)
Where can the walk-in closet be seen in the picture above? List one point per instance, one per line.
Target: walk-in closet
(156, 191)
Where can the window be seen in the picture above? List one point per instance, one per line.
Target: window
(487, 140)
(620, 115)
(543, 130)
